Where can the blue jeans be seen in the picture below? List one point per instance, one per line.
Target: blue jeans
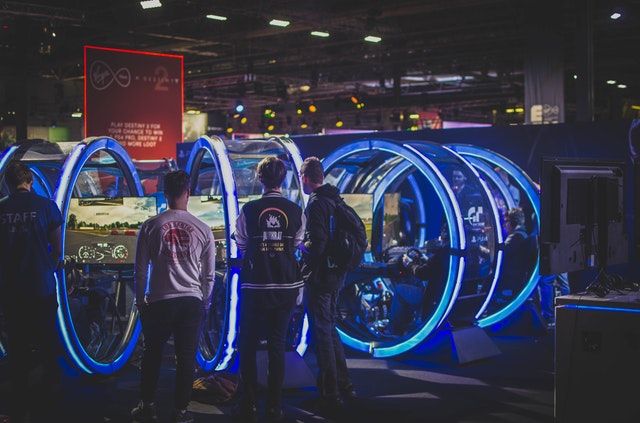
(182, 317)
(333, 375)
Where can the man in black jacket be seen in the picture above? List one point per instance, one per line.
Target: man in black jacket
(519, 251)
(268, 232)
(323, 284)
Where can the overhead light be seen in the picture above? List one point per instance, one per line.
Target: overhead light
(321, 34)
(339, 123)
(77, 114)
(217, 17)
(279, 22)
(193, 112)
(150, 4)
(372, 39)
(313, 108)
(414, 116)
(243, 120)
(615, 15)
(622, 85)
(611, 82)
(239, 107)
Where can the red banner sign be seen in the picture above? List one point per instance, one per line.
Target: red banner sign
(135, 98)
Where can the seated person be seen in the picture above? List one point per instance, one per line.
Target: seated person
(519, 249)
(430, 269)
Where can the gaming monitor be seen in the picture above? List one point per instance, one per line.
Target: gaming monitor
(103, 230)
(582, 214)
(209, 209)
(363, 205)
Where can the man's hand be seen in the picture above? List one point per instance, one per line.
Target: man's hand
(406, 260)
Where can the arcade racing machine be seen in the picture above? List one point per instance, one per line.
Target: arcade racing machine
(103, 205)
(503, 177)
(385, 311)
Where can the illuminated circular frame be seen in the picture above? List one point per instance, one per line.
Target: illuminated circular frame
(71, 168)
(217, 150)
(456, 233)
(528, 187)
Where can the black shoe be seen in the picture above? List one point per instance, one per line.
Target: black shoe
(331, 403)
(182, 416)
(144, 413)
(275, 415)
(349, 393)
(244, 413)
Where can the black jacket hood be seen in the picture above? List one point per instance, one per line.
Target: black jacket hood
(329, 191)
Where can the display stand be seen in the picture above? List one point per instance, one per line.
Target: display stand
(597, 358)
(471, 344)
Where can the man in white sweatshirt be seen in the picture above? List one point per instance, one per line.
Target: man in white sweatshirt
(174, 273)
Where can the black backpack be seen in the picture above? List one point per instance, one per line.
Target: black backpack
(347, 238)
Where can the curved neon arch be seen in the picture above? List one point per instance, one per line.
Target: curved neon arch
(525, 183)
(457, 240)
(71, 168)
(218, 152)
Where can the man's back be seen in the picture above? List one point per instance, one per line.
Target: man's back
(26, 219)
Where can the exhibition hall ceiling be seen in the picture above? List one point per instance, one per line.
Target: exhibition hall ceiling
(462, 58)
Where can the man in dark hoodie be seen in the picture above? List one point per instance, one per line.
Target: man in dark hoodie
(323, 284)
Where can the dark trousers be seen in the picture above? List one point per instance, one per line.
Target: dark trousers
(333, 375)
(269, 313)
(182, 317)
(31, 323)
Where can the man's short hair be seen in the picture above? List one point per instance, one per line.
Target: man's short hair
(17, 174)
(516, 217)
(176, 183)
(271, 172)
(312, 169)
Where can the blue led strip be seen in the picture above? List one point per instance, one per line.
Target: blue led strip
(69, 172)
(453, 217)
(215, 147)
(497, 264)
(6, 156)
(601, 308)
(528, 187)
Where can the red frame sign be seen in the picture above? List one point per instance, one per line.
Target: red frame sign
(135, 98)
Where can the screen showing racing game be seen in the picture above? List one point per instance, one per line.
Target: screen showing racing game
(210, 209)
(391, 226)
(104, 230)
(363, 205)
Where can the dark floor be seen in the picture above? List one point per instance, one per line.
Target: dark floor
(428, 384)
